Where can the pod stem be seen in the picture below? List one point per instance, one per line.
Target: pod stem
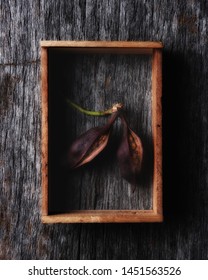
(109, 111)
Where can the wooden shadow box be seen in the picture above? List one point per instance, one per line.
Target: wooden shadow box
(95, 75)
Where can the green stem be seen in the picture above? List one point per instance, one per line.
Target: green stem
(111, 110)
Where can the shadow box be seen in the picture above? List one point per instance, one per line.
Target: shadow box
(95, 75)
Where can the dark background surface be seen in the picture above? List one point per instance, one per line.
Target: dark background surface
(97, 81)
(182, 27)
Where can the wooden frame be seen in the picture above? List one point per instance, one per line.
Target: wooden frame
(108, 216)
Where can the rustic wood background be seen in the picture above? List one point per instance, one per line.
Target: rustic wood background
(182, 27)
(96, 82)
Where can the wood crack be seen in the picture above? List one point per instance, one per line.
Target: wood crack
(25, 63)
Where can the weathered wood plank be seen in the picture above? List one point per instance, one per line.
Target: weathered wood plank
(102, 44)
(96, 82)
(44, 130)
(104, 216)
(182, 27)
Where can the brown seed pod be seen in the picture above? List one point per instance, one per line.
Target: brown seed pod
(88, 145)
(130, 154)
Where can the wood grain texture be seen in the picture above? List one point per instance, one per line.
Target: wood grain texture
(104, 216)
(44, 130)
(102, 44)
(182, 27)
(157, 129)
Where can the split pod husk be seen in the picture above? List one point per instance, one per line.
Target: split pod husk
(130, 154)
(88, 145)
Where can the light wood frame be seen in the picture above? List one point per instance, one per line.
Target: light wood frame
(108, 216)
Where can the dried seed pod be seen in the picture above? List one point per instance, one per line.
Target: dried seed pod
(130, 154)
(88, 145)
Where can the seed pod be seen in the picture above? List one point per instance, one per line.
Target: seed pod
(130, 154)
(88, 145)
